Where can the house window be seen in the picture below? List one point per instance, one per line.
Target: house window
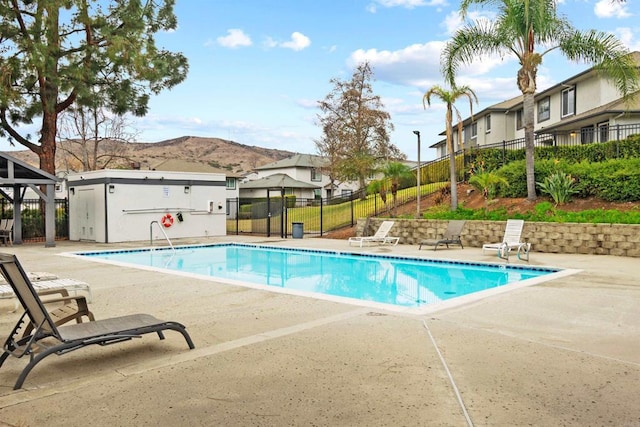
(569, 102)
(519, 119)
(487, 123)
(603, 131)
(231, 183)
(474, 130)
(587, 134)
(317, 193)
(316, 175)
(544, 109)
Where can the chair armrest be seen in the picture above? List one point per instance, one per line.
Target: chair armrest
(63, 292)
(81, 301)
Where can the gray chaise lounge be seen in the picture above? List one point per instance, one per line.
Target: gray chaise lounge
(46, 338)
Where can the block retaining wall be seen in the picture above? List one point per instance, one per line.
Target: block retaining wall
(569, 238)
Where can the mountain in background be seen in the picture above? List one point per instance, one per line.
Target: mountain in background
(201, 153)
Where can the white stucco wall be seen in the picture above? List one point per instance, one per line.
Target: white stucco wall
(119, 206)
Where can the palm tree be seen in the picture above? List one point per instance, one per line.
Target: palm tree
(379, 186)
(486, 182)
(449, 97)
(520, 27)
(395, 172)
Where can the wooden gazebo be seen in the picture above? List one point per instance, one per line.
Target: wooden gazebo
(18, 176)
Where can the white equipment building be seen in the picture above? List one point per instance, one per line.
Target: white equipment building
(110, 206)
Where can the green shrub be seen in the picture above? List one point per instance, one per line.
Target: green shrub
(543, 212)
(559, 186)
(612, 180)
(516, 175)
(493, 159)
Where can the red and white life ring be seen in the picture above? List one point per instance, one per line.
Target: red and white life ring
(167, 220)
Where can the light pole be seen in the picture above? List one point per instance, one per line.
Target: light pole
(417, 132)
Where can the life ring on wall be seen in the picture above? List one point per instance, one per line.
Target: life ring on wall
(167, 220)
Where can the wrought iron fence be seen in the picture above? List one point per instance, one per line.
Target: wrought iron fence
(547, 144)
(277, 216)
(32, 218)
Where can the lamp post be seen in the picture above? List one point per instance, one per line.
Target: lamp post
(417, 132)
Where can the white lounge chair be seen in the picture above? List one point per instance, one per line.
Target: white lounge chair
(381, 236)
(511, 241)
(46, 282)
(6, 231)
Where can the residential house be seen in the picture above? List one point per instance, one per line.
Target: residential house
(301, 175)
(582, 109)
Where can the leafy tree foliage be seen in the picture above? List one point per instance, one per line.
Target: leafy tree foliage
(395, 173)
(529, 29)
(355, 128)
(58, 53)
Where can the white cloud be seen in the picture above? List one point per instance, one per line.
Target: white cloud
(235, 38)
(453, 21)
(628, 37)
(407, 4)
(298, 42)
(611, 9)
(307, 103)
(418, 65)
(270, 42)
(332, 48)
(405, 66)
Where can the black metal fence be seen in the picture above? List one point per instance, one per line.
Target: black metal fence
(284, 217)
(277, 216)
(32, 218)
(547, 144)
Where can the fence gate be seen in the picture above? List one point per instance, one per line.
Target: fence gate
(32, 217)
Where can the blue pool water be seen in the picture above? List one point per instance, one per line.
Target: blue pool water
(402, 282)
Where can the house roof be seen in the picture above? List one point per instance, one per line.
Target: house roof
(516, 102)
(278, 180)
(614, 108)
(179, 165)
(296, 161)
(15, 171)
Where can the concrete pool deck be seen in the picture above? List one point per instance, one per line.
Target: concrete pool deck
(564, 352)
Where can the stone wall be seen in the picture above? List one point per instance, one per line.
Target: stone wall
(569, 238)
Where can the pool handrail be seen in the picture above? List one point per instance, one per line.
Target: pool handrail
(162, 231)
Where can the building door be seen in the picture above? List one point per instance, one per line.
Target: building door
(85, 214)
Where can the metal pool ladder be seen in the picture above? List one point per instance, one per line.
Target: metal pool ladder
(162, 231)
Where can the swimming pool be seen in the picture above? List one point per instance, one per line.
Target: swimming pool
(366, 279)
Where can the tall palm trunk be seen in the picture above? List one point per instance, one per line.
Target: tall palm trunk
(528, 104)
(527, 85)
(452, 160)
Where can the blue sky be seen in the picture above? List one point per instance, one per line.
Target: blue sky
(258, 67)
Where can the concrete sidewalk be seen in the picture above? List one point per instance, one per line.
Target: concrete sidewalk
(565, 352)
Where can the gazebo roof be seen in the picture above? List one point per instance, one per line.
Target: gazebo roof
(16, 172)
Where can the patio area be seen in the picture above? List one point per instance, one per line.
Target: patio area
(565, 352)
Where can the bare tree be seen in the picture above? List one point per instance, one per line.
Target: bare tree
(93, 138)
(356, 128)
